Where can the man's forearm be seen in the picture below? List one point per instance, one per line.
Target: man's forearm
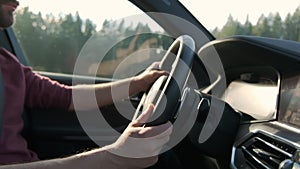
(87, 97)
(98, 158)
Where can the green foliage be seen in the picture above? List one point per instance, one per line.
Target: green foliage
(271, 26)
(53, 43)
(49, 43)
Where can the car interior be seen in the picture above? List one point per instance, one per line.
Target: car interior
(235, 97)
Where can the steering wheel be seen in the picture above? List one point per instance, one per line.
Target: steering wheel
(166, 91)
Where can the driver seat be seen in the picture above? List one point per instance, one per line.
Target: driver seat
(1, 102)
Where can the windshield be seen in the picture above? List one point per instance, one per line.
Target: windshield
(267, 18)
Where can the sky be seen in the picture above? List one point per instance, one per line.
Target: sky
(211, 13)
(217, 11)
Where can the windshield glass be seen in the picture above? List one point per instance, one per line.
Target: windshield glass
(267, 18)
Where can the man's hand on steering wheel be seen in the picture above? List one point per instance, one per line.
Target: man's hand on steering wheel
(165, 93)
(149, 76)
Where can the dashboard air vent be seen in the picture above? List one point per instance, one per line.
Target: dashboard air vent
(261, 151)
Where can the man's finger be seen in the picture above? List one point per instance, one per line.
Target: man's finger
(143, 118)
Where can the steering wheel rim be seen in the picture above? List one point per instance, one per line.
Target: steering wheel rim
(166, 91)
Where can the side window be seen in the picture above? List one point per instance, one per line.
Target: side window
(125, 57)
(56, 40)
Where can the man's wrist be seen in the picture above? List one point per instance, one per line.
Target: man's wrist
(115, 161)
(138, 85)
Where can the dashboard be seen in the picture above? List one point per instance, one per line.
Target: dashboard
(263, 85)
(289, 108)
(276, 143)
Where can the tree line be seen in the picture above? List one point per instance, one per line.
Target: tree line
(46, 40)
(273, 26)
(51, 43)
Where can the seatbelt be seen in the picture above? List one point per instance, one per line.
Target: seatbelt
(1, 102)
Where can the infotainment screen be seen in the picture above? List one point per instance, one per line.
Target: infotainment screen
(289, 107)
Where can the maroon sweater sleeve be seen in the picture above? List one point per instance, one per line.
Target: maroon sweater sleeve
(42, 92)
